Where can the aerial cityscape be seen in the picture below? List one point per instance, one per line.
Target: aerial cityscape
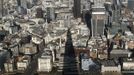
(66, 37)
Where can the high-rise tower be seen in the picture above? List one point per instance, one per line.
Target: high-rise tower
(131, 4)
(1, 8)
(77, 8)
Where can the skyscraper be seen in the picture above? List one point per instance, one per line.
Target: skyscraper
(22, 3)
(19, 2)
(77, 8)
(1, 8)
(85, 7)
(98, 17)
(131, 4)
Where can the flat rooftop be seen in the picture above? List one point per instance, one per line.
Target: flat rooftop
(128, 59)
(109, 63)
(119, 51)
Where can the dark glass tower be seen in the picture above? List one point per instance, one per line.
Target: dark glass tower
(77, 8)
(19, 2)
(131, 4)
